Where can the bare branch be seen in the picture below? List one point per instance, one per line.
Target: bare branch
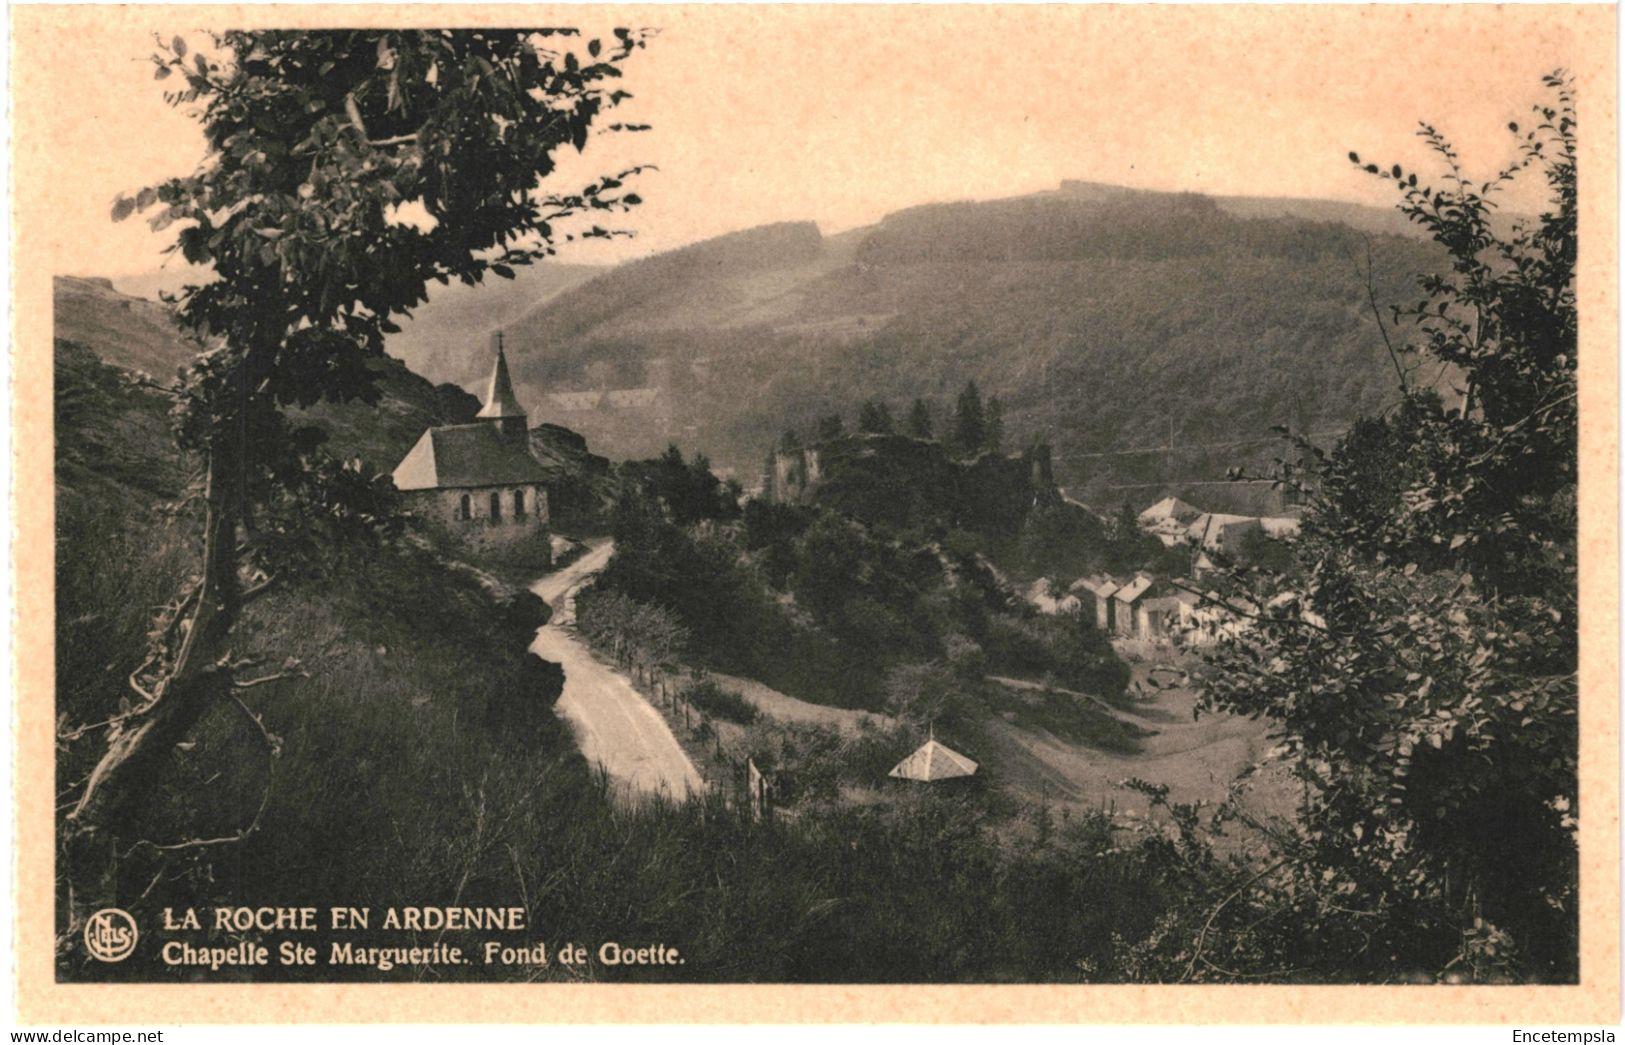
(1382, 328)
(257, 590)
(299, 673)
(273, 752)
(1201, 936)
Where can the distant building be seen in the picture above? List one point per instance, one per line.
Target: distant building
(1098, 589)
(1282, 527)
(1125, 603)
(1214, 532)
(1159, 615)
(794, 476)
(1169, 508)
(478, 483)
(1205, 618)
(1048, 601)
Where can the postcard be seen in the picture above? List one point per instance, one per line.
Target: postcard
(977, 514)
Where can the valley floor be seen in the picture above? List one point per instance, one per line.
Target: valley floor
(1196, 758)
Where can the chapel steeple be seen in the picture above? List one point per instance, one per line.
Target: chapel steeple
(502, 407)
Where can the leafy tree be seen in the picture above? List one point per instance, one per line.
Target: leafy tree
(994, 437)
(830, 426)
(1422, 672)
(345, 170)
(919, 420)
(1125, 524)
(970, 424)
(875, 417)
(686, 491)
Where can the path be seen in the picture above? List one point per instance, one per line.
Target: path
(614, 726)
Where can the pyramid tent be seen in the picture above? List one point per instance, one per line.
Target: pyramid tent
(933, 761)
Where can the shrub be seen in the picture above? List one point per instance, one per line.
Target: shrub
(712, 699)
(966, 657)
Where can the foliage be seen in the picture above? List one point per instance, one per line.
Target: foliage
(874, 417)
(634, 632)
(919, 420)
(687, 491)
(993, 425)
(1065, 646)
(345, 169)
(1422, 670)
(707, 695)
(821, 606)
(970, 422)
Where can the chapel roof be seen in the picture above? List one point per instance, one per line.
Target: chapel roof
(466, 455)
(499, 398)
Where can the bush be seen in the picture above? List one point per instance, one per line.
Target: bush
(1066, 645)
(712, 699)
(966, 657)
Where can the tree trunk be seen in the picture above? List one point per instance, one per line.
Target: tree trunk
(195, 681)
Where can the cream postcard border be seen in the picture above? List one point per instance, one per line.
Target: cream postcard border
(43, 52)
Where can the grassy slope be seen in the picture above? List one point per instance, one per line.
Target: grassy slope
(406, 657)
(444, 340)
(138, 335)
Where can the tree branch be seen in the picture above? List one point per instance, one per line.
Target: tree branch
(273, 752)
(251, 683)
(1376, 313)
(1201, 936)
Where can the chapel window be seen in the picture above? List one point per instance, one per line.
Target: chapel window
(465, 508)
(519, 504)
(496, 506)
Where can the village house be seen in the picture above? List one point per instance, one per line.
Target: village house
(1041, 594)
(1205, 618)
(1153, 609)
(478, 483)
(1098, 589)
(1169, 520)
(1216, 532)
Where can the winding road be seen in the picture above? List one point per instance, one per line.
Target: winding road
(615, 727)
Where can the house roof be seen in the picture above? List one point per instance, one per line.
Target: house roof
(933, 761)
(1100, 584)
(466, 455)
(1170, 508)
(1210, 527)
(1135, 588)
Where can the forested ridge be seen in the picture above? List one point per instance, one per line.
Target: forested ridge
(1101, 322)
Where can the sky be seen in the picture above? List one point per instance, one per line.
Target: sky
(840, 114)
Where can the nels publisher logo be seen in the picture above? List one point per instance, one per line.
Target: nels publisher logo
(110, 935)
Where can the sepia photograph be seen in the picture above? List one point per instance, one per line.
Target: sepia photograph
(1080, 496)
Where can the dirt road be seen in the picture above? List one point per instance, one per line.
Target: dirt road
(614, 726)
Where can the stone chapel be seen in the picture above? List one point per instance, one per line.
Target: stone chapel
(479, 483)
